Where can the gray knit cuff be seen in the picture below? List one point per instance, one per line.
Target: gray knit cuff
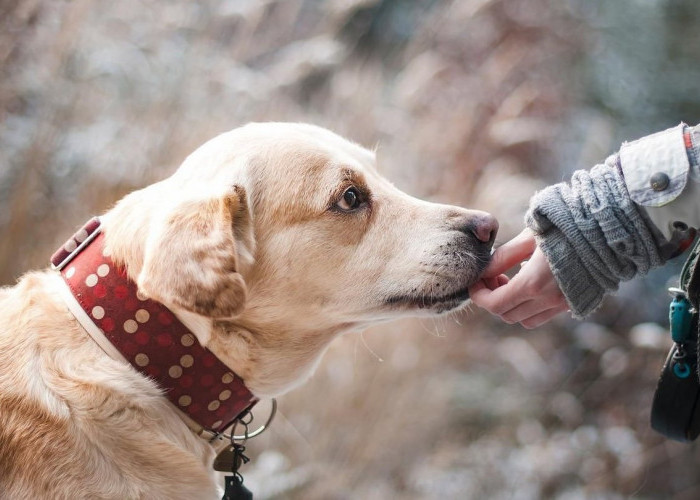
(593, 235)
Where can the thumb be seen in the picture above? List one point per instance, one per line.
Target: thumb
(511, 253)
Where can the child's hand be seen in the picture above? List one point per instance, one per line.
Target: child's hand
(532, 297)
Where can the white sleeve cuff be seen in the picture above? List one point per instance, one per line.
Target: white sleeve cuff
(656, 167)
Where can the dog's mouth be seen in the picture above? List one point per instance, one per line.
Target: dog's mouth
(435, 302)
(438, 303)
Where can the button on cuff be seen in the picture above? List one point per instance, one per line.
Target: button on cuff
(659, 181)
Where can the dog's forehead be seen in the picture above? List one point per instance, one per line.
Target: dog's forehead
(285, 167)
(270, 148)
(311, 163)
(313, 151)
(304, 155)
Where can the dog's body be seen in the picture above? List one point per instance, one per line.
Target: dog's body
(268, 242)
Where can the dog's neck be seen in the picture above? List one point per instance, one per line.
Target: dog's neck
(269, 368)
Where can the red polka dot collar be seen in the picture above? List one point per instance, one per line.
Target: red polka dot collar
(146, 334)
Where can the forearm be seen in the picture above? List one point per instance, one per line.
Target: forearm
(593, 235)
(613, 223)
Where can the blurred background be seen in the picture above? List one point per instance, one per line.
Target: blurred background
(472, 102)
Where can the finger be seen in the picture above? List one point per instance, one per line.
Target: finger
(498, 301)
(511, 253)
(495, 282)
(525, 310)
(480, 287)
(491, 283)
(543, 317)
(531, 308)
(478, 292)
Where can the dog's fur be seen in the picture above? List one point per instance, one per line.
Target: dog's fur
(252, 246)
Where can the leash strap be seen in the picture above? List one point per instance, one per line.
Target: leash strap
(690, 280)
(689, 274)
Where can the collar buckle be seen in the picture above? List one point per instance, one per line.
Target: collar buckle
(75, 244)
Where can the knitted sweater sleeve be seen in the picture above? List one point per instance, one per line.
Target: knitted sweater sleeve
(593, 235)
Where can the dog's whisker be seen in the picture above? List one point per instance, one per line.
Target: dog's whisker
(297, 436)
(364, 342)
(354, 349)
(439, 328)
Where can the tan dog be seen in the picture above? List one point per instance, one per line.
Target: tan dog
(268, 242)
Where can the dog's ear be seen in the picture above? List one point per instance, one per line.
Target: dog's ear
(191, 255)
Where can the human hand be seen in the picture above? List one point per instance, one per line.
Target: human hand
(532, 297)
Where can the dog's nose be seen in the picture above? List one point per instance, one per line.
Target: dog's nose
(485, 228)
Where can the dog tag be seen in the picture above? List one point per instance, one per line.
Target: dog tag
(235, 489)
(224, 460)
(229, 459)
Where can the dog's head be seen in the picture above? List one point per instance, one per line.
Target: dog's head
(275, 238)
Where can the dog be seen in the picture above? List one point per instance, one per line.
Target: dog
(267, 243)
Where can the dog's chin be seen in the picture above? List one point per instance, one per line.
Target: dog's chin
(433, 303)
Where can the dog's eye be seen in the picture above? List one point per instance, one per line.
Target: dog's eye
(351, 200)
